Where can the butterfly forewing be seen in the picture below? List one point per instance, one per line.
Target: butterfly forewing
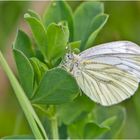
(123, 54)
(110, 72)
(112, 48)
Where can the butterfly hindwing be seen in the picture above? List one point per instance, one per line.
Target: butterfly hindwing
(106, 84)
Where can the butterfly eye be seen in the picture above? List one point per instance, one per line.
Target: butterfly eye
(69, 56)
(76, 64)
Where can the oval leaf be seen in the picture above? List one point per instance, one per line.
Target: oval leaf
(34, 14)
(57, 87)
(92, 131)
(59, 11)
(69, 112)
(23, 44)
(97, 24)
(83, 18)
(118, 115)
(39, 68)
(57, 38)
(38, 30)
(25, 70)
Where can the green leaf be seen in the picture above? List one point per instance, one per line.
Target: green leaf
(88, 128)
(25, 104)
(83, 18)
(75, 130)
(75, 44)
(97, 24)
(69, 112)
(56, 87)
(63, 132)
(57, 38)
(39, 55)
(85, 129)
(108, 122)
(19, 137)
(34, 14)
(23, 44)
(92, 131)
(39, 68)
(25, 70)
(115, 123)
(39, 32)
(59, 11)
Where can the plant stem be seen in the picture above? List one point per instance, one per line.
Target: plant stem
(18, 123)
(26, 106)
(52, 117)
(54, 126)
(42, 110)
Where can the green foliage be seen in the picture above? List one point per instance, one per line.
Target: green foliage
(39, 68)
(23, 44)
(34, 14)
(88, 21)
(25, 104)
(38, 30)
(22, 49)
(102, 114)
(50, 88)
(87, 129)
(72, 111)
(51, 91)
(57, 38)
(95, 131)
(75, 44)
(59, 11)
(25, 70)
(97, 24)
(103, 125)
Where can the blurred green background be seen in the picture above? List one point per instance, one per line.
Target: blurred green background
(123, 24)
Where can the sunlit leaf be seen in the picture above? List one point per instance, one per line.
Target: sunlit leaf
(34, 14)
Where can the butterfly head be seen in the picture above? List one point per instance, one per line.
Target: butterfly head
(69, 61)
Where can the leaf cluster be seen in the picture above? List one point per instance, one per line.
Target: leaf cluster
(53, 90)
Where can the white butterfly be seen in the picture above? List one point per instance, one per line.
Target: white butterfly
(107, 73)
